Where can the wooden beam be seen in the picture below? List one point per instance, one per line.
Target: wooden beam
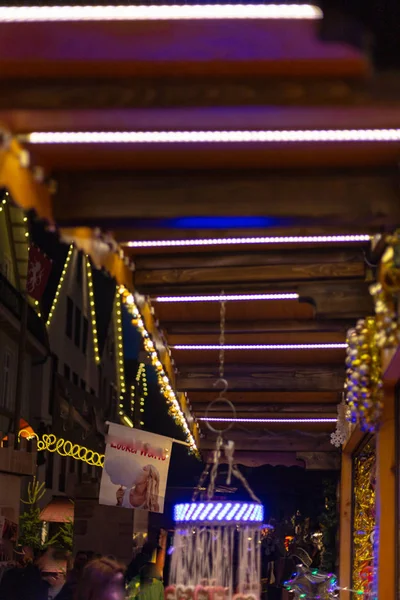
(353, 199)
(387, 508)
(265, 256)
(257, 398)
(268, 441)
(166, 92)
(346, 533)
(261, 377)
(282, 325)
(267, 410)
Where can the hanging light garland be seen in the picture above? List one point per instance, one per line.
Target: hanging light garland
(89, 278)
(141, 385)
(120, 345)
(63, 447)
(162, 378)
(60, 284)
(364, 381)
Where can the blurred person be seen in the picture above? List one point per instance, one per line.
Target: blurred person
(147, 585)
(102, 579)
(73, 576)
(142, 558)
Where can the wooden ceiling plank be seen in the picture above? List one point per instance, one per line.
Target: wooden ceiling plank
(221, 275)
(262, 327)
(276, 378)
(352, 199)
(262, 397)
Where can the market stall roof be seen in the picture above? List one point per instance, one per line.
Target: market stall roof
(59, 510)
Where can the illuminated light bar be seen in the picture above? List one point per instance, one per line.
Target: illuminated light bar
(213, 513)
(307, 239)
(207, 137)
(226, 298)
(259, 347)
(45, 14)
(239, 420)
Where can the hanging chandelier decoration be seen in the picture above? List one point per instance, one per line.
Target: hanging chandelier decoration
(217, 543)
(363, 385)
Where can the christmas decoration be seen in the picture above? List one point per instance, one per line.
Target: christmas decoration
(60, 283)
(339, 436)
(39, 267)
(312, 584)
(89, 279)
(364, 525)
(162, 378)
(363, 382)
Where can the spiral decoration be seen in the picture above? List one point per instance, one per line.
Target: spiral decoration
(363, 385)
(63, 447)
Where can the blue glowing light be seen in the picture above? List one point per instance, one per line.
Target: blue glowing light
(233, 222)
(218, 513)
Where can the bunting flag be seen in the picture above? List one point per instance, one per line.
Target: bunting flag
(39, 267)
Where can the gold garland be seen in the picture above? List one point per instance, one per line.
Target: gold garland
(384, 293)
(363, 384)
(364, 522)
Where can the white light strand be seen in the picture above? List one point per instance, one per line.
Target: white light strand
(43, 14)
(207, 137)
(60, 283)
(89, 278)
(239, 420)
(260, 346)
(309, 239)
(227, 298)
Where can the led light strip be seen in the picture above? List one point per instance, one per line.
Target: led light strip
(141, 376)
(239, 420)
(226, 298)
(260, 347)
(60, 283)
(163, 380)
(308, 239)
(43, 14)
(89, 278)
(210, 137)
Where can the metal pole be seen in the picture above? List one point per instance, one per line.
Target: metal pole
(19, 388)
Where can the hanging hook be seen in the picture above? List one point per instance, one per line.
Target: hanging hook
(224, 385)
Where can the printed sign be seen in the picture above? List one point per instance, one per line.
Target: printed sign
(135, 469)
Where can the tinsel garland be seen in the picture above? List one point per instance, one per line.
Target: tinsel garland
(385, 294)
(363, 385)
(364, 522)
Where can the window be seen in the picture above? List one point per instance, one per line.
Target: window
(67, 372)
(83, 384)
(75, 378)
(85, 334)
(6, 391)
(77, 336)
(49, 470)
(63, 473)
(71, 465)
(70, 317)
(6, 267)
(79, 269)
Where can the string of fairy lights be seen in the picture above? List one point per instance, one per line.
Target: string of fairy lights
(163, 380)
(141, 385)
(59, 286)
(89, 277)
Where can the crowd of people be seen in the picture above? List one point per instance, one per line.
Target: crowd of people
(47, 576)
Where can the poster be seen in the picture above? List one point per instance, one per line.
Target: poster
(135, 469)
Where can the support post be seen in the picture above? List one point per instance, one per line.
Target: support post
(386, 498)
(345, 535)
(20, 368)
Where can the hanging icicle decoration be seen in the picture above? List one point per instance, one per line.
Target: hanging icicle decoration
(216, 548)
